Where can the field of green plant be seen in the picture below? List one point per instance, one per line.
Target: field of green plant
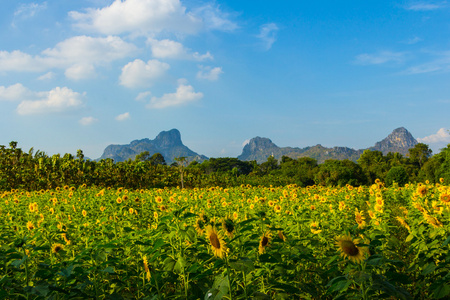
(238, 243)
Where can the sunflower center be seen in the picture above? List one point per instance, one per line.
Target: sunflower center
(264, 241)
(214, 240)
(349, 248)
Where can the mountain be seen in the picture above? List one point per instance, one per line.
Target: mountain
(400, 140)
(168, 143)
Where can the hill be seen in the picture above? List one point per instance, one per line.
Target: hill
(168, 143)
(400, 140)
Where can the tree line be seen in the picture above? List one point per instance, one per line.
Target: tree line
(36, 170)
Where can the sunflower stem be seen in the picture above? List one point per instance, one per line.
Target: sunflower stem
(228, 275)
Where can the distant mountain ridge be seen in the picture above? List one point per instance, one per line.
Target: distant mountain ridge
(167, 143)
(400, 140)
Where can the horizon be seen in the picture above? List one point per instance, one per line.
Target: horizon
(87, 74)
(208, 157)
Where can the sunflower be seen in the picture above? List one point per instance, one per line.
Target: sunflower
(422, 190)
(403, 223)
(202, 220)
(264, 242)
(281, 235)
(349, 248)
(315, 229)
(445, 198)
(30, 225)
(277, 208)
(228, 227)
(360, 218)
(57, 247)
(432, 220)
(218, 245)
(146, 269)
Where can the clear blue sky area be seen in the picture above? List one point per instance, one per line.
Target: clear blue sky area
(83, 74)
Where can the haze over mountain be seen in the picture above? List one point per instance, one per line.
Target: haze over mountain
(169, 144)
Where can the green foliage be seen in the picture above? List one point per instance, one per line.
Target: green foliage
(37, 170)
(398, 175)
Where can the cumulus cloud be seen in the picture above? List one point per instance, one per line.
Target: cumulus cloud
(123, 117)
(380, 58)
(14, 92)
(138, 17)
(80, 71)
(172, 49)
(184, 94)
(140, 74)
(442, 136)
(425, 6)
(209, 73)
(55, 101)
(85, 121)
(268, 35)
(78, 50)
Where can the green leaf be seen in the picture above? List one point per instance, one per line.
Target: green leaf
(441, 291)
(244, 265)
(446, 241)
(179, 265)
(18, 262)
(109, 270)
(219, 289)
(67, 271)
(429, 269)
(169, 264)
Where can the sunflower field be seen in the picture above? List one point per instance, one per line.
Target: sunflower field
(243, 242)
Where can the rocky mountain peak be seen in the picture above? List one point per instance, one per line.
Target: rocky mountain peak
(400, 140)
(167, 139)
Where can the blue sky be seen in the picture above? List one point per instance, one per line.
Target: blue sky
(83, 74)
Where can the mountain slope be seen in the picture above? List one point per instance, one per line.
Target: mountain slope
(168, 143)
(400, 140)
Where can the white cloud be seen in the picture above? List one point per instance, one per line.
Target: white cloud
(138, 17)
(209, 73)
(439, 64)
(245, 143)
(172, 49)
(380, 58)
(82, 50)
(19, 61)
(215, 19)
(14, 92)
(425, 6)
(27, 11)
(55, 101)
(47, 76)
(184, 94)
(442, 135)
(80, 71)
(142, 96)
(141, 74)
(85, 121)
(123, 117)
(268, 34)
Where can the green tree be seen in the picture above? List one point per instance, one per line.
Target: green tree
(398, 175)
(420, 154)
